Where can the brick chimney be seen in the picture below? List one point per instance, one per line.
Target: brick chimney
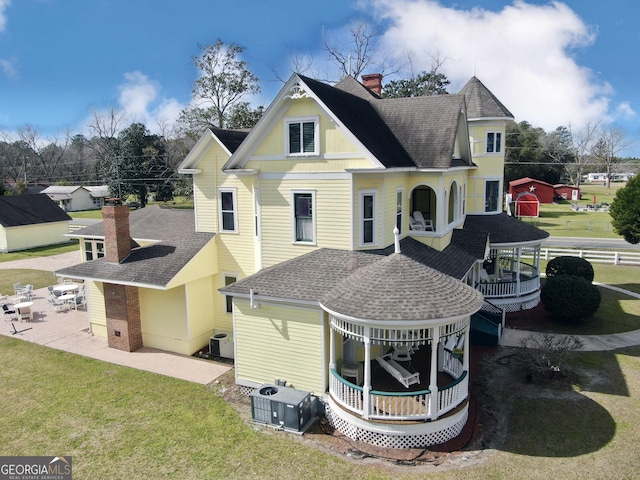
(373, 82)
(117, 237)
(121, 302)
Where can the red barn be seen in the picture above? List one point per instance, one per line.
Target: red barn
(566, 192)
(542, 190)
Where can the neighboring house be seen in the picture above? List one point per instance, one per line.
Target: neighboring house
(76, 198)
(29, 221)
(543, 190)
(353, 238)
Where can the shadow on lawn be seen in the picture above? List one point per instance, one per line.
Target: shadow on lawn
(550, 418)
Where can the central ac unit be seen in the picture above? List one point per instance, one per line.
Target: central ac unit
(282, 407)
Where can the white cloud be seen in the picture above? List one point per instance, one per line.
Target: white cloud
(522, 53)
(3, 16)
(7, 68)
(139, 101)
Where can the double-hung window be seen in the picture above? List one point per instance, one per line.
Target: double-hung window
(368, 223)
(228, 280)
(492, 195)
(304, 217)
(494, 142)
(228, 210)
(302, 136)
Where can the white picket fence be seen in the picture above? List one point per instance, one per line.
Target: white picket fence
(593, 256)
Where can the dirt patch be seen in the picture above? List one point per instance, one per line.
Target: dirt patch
(485, 430)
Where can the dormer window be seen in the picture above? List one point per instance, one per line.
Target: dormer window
(302, 136)
(494, 142)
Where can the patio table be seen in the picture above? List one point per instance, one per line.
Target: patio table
(66, 288)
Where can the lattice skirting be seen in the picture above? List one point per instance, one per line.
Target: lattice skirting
(431, 433)
(517, 304)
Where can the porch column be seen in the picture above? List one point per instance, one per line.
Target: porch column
(332, 346)
(433, 375)
(518, 271)
(366, 387)
(465, 356)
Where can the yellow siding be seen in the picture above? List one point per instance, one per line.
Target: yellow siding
(164, 322)
(282, 342)
(333, 222)
(236, 251)
(200, 313)
(204, 263)
(223, 321)
(307, 165)
(31, 236)
(96, 308)
(205, 188)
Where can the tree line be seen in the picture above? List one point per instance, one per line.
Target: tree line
(133, 161)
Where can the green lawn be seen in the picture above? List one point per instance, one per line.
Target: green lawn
(117, 422)
(560, 220)
(71, 246)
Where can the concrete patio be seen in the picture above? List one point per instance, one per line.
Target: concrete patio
(69, 331)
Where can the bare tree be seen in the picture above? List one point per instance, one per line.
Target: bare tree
(356, 49)
(103, 135)
(49, 154)
(573, 149)
(611, 141)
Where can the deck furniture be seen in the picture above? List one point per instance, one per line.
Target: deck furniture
(353, 370)
(404, 376)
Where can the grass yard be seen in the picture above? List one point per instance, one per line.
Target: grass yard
(71, 246)
(117, 422)
(560, 220)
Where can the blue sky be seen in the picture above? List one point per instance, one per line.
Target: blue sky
(551, 63)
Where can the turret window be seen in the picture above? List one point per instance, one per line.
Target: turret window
(494, 142)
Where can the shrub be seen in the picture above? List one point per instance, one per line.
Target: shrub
(570, 266)
(570, 298)
(547, 356)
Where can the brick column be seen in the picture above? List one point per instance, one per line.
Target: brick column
(124, 327)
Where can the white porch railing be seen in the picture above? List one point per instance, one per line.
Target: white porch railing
(502, 289)
(417, 405)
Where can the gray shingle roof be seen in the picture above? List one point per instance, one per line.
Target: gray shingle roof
(155, 265)
(150, 223)
(309, 277)
(230, 138)
(400, 132)
(481, 103)
(472, 242)
(19, 210)
(503, 228)
(399, 288)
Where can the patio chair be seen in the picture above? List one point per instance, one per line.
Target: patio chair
(17, 287)
(426, 224)
(8, 313)
(27, 291)
(80, 300)
(415, 225)
(25, 314)
(57, 305)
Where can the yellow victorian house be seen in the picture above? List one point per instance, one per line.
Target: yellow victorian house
(349, 246)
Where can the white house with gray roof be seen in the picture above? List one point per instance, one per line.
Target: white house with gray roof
(76, 198)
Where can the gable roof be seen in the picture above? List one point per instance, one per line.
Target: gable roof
(229, 140)
(525, 180)
(481, 103)
(98, 190)
(19, 210)
(61, 189)
(150, 223)
(416, 132)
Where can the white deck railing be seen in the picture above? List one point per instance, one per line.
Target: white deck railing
(503, 289)
(417, 405)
